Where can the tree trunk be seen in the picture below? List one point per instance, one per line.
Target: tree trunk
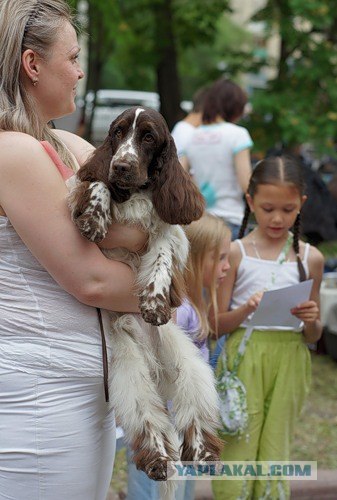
(95, 63)
(168, 83)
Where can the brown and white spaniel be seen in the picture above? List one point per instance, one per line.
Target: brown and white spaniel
(135, 178)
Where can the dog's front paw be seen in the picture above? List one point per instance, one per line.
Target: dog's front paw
(90, 209)
(93, 228)
(154, 308)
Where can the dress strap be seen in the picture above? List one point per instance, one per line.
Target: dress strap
(284, 252)
(242, 248)
(65, 171)
(306, 252)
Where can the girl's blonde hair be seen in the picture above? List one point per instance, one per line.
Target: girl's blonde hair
(24, 24)
(205, 235)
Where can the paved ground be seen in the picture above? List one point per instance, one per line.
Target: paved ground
(325, 488)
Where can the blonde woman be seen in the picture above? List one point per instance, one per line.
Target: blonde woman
(57, 431)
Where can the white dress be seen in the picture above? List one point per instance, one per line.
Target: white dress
(57, 433)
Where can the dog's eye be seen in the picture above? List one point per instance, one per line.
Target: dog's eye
(148, 137)
(118, 132)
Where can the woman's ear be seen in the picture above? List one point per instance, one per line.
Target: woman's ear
(304, 199)
(31, 65)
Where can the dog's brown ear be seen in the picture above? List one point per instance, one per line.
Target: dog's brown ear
(96, 168)
(176, 197)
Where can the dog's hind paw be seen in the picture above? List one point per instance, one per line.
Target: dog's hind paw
(155, 309)
(157, 470)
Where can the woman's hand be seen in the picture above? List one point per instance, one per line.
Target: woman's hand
(308, 312)
(130, 237)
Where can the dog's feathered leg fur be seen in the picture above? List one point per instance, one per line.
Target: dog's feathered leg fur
(89, 204)
(196, 418)
(139, 408)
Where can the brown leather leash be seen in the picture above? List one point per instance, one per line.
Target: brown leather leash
(104, 357)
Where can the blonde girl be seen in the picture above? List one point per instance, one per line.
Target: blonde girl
(275, 368)
(207, 266)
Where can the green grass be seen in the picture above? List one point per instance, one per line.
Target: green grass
(120, 474)
(328, 248)
(316, 429)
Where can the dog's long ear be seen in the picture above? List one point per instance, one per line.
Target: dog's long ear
(176, 198)
(96, 168)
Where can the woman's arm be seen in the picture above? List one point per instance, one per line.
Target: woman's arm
(33, 195)
(243, 168)
(309, 311)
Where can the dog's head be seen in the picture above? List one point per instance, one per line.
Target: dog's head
(139, 153)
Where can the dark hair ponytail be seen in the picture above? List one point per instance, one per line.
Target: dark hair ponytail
(278, 170)
(296, 247)
(244, 221)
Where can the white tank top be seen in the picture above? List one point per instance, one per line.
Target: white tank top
(43, 329)
(254, 275)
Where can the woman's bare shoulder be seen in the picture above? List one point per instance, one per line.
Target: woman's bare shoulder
(16, 146)
(79, 147)
(10, 138)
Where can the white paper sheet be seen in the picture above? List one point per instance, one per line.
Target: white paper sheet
(275, 305)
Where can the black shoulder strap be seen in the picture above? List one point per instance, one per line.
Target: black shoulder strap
(104, 356)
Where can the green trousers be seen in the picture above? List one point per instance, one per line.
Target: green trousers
(276, 371)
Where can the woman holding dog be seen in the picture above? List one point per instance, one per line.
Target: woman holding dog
(57, 431)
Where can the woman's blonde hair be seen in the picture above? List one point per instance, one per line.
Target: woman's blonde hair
(205, 235)
(27, 24)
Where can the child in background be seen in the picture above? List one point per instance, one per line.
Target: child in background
(275, 367)
(207, 266)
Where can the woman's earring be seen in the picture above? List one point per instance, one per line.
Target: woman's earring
(34, 82)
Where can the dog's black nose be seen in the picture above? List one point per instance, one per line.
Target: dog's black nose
(121, 167)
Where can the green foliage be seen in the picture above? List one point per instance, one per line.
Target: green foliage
(132, 63)
(196, 20)
(229, 53)
(300, 104)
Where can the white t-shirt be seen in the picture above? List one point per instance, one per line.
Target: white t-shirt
(210, 152)
(182, 133)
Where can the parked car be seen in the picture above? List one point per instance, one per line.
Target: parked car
(111, 103)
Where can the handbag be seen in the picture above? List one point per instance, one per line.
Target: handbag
(232, 393)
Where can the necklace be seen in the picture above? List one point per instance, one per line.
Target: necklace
(284, 251)
(256, 250)
(282, 258)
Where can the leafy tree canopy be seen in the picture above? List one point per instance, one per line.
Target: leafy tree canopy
(300, 103)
